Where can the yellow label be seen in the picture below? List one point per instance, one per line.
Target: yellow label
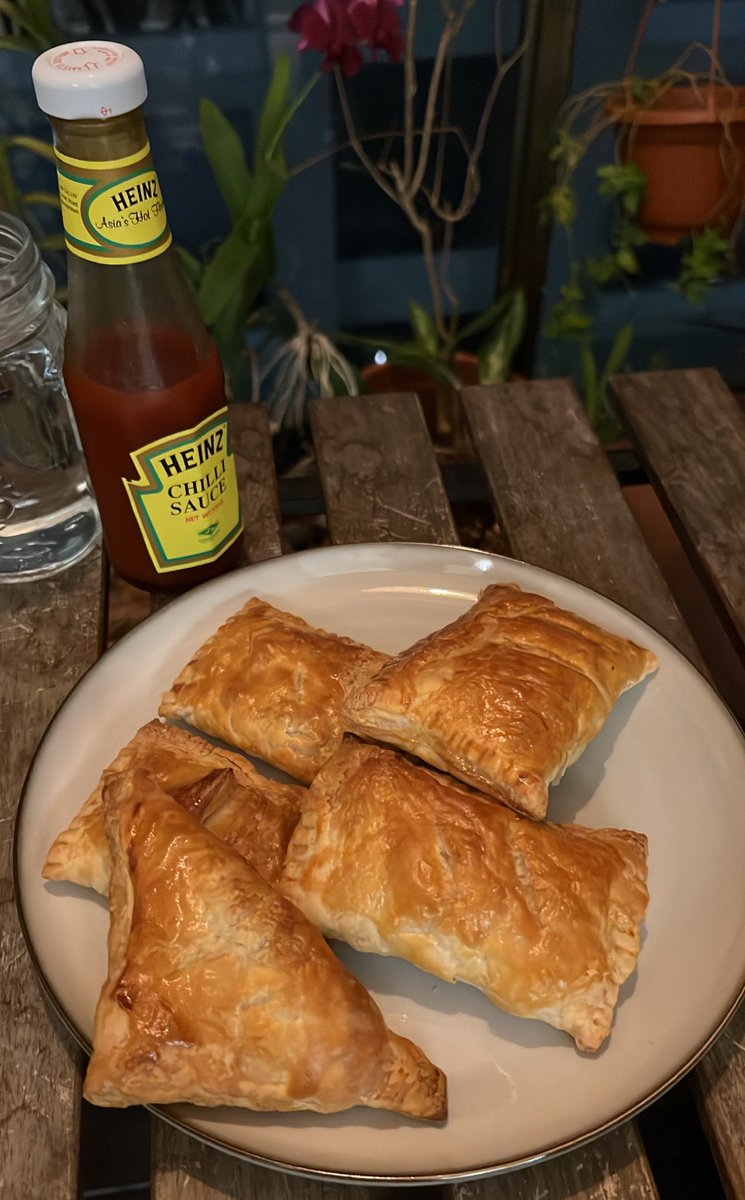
(109, 164)
(113, 211)
(185, 498)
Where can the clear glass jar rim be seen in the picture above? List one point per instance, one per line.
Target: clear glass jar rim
(19, 255)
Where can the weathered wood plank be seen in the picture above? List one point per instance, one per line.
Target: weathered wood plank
(379, 474)
(184, 1168)
(562, 509)
(608, 1168)
(691, 436)
(257, 482)
(719, 1083)
(559, 500)
(50, 633)
(690, 432)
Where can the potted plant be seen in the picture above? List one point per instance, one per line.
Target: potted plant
(408, 164)
(683, 132)
(677, 178)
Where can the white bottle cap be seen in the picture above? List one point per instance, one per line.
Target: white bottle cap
(89, 79)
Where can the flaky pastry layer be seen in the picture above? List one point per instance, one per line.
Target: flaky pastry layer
(253, 814)
(219, 991)
(272, 685)
(396, 859)
(505, 698)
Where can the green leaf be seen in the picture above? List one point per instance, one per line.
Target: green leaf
(275, 110)
(9, 194)
(487, 319)
(425, 330)
(701, 264)
(36, 145)
(627, 261)
(40, 13)
(35, 36)
(567, 149)
(498, 351)
(193, 269)
(389, 346)
(423, 362)
(618, 351)
(603, 270)
(237, 268)
(562, 204)
(590, 385)
(49, 199)
(620, 179)
(53, 241)
(226, 157)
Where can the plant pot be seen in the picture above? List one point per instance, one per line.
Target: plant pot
(691, 148)
(440, 403)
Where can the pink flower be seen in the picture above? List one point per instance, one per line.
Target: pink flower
(377, 23)
(340, 29)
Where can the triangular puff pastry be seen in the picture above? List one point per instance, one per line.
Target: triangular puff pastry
(396, 859)
(220, 992)
(254, 814)
(272, 685)
(505, 698)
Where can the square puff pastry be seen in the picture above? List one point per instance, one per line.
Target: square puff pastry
(222, 789)
(505, 698)
(273, 685)
(220, 992)
(396, 859)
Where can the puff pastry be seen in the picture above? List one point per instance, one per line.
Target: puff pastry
(505, 698)
(223, 789)
(396, 859)
(272, 685)
(220, 992)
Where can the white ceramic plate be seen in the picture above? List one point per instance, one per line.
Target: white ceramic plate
(670, 763)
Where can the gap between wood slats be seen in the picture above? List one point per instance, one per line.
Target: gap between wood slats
(690, 433)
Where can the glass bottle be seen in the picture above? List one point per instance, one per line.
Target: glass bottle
(143, 374)
(48, 518)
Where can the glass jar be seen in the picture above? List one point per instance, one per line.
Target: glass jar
(48, 517)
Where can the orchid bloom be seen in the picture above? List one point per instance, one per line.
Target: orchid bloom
(340, 29)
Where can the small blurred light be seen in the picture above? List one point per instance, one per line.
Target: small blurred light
(381, 357)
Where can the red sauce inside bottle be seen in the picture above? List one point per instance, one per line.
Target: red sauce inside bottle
(180, 390)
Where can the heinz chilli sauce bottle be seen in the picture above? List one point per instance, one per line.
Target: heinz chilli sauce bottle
(143, 374)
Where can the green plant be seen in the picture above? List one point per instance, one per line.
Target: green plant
(495, 335)
(621, 186)
(229, 279)
(430, 169)
(28, 25)
(25, 204)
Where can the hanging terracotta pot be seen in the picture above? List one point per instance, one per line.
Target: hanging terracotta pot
(691, 148)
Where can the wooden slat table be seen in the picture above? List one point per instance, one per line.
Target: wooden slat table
(560, 507)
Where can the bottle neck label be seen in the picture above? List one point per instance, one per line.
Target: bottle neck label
(185, 498)
(112, 210)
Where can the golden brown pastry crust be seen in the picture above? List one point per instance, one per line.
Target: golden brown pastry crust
(505, 698)
(273, 685)
(253, 814)
(220, 992)
(396, 859)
